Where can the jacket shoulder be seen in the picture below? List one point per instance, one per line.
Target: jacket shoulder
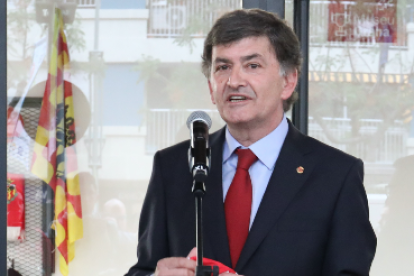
(331, 151)
(327, 153)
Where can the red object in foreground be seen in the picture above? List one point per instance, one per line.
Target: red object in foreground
(15, 206)
(210, 262)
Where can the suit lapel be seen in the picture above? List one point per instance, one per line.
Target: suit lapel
(214, 223)
(283, 185)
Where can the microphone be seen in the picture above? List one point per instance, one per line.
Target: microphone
(199, 152)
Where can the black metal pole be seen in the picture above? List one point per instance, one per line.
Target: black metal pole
(199, 229)
(199, 190)
(301, 27)
(276, 6)
(3, 137)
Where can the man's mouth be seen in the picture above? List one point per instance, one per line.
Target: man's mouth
(235, 99)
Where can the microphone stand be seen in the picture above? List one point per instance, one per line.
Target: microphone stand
(199, 190)
(199, 160)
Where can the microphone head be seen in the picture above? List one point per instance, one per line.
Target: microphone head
(199, 116)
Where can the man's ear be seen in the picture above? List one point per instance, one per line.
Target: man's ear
(291, 79)
(211, 92)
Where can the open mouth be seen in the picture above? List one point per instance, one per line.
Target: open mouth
(235, 99)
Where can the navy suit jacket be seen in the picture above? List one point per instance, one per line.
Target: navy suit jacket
(309, 224)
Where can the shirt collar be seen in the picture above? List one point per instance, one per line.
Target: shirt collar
(266, 149)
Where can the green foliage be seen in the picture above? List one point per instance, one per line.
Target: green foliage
(178, 85)
(75, 36)
(188, 87)
(200, 23)
(148, 67)
(21, 25)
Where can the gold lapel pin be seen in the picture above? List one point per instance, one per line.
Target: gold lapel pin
(300, 169)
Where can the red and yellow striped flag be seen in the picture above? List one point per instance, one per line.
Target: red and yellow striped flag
(54, 159)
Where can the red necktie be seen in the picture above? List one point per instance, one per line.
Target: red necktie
(238, 204)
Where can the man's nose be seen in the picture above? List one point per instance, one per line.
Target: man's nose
(236, 78)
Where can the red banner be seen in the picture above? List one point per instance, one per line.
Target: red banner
(364, 21)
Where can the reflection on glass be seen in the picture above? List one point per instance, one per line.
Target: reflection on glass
(135, 75)
(395, 242)
(362, 102)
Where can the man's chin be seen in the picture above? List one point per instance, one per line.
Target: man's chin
(235, 114)
(239, 123)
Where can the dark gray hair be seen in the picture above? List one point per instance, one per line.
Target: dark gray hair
(236, 25)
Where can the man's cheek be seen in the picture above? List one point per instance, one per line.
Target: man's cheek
(213, 100)
(212, 87)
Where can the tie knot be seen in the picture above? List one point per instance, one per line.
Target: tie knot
(246, 158)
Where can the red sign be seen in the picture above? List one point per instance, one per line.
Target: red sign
(364, 21)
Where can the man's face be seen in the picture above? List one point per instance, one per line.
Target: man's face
(246, 83)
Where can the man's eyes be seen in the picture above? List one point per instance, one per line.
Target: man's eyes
(253, 65)
(226, 67)
(222, 67)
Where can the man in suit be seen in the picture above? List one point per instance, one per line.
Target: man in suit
(307, 210)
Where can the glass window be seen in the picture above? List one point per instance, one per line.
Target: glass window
(361, 101)
(121, 90)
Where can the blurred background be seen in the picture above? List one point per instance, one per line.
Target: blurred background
(135, 75)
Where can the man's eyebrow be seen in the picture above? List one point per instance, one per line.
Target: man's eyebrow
(222, 60)
(249, 57)
(243, 59)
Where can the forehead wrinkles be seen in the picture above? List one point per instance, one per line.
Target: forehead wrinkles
(250, 45)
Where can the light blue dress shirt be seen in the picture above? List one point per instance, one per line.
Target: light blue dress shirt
(267, 150)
